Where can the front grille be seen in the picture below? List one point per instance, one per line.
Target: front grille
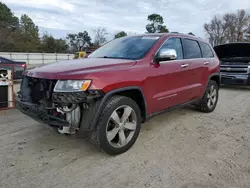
(37, 89)
(238, 69)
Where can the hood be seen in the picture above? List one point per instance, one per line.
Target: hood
(232, 50)
(71, 68)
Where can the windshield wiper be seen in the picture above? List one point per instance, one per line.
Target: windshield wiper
(113, 57)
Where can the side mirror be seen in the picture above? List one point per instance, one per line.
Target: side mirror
(166, 55)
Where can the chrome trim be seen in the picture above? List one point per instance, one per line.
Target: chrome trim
(167, 53)
(184, 65)
(229, 69)
(248, 70)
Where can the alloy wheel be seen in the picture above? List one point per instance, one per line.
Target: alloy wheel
(211, 97)
(121, 126)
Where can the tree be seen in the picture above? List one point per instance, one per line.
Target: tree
(247, 35)
(8, 26)
(23, 36)
(120, 34)
(100, 36)
(156, 24)
(51, 45)
(216, 31)
(79, 41)
(242, 24)
(230, 27)
(7, 18)
(28, 28)
(29, 33)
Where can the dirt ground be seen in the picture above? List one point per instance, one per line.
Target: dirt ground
(179, 149)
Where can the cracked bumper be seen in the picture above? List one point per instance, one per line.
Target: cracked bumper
(39, 114)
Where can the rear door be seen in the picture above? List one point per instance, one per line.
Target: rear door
(193, 56)
(208, 61)
(169, 87)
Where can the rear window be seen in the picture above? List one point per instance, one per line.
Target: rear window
(191, 49)
(206, 50)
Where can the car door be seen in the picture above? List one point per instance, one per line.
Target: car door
(193, 56)
(170, 83)
(208, 61)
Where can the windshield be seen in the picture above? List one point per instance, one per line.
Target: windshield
(135, 47)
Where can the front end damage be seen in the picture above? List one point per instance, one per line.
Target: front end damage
(65, 112)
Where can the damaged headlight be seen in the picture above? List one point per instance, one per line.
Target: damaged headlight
(72, 85)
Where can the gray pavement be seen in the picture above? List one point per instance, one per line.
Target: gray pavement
(179, 149)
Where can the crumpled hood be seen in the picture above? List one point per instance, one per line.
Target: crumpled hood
(71, 68)
(231, 50)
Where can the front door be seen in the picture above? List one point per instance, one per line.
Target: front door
(169, 86)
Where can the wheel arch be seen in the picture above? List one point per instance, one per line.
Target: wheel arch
(133, 92)
(215, 77)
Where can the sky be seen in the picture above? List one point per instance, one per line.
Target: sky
(60, 17)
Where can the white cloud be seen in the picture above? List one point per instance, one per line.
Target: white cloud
(47, 4)
(128, 15)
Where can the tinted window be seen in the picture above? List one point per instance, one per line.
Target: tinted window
(191, 49)
(174, 43)
(126, 48)
(206, 50)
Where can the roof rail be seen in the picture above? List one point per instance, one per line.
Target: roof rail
(175, 32)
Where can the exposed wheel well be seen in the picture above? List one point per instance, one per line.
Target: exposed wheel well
(137, 96)
(216, 78)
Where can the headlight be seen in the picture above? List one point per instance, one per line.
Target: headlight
(72, 85)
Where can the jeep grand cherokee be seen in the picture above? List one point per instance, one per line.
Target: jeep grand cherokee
(121, 85)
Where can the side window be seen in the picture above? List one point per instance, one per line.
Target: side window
(174, 43)
(206, 50)
(191, 49)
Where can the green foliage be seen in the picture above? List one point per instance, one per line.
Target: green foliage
(8, 27)
(156, 24)
(7, 18)
(23, 36)
(120, 34)
(78, 41)
(28, 28)
(51, 45)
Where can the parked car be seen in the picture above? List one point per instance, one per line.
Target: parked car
(235, 63)
(19, 67)
(121, 85)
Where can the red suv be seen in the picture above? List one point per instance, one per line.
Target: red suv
(121, 85)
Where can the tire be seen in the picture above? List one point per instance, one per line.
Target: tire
(107, 126)
(203, 104)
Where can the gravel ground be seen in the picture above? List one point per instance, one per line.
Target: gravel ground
(180, 149)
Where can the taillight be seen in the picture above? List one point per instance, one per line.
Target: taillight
(22, 65)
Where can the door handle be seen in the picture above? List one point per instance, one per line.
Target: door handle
(184, 65)
(206, 63)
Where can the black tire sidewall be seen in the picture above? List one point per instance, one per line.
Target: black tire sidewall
(108, 110)
(210, 84)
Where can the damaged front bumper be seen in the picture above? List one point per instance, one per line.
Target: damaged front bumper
(74, 110)
(39, 114)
